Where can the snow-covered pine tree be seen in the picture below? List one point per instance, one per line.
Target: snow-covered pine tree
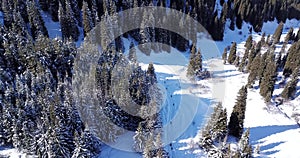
(290, 88)
(236, 122)
(254, 70)
(277, 34)
(245, 148)
(151, 76)
(67, 21)
(215, 130)
(248, 44)
(190, 70)
(269, 78)
(36, 22)
(87, 145)
(7, 8)
(86, 18)
(292, 60)
(289, 36)
(232, 53)
(139, 139)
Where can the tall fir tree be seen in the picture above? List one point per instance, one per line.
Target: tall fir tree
(289, 90)
(215, 130)
(236, 121)
(293, 60)
(269, 78)
(37, 24)
(245, 148)
(68, 22)
(191, 70)
(232, 53)
(277, 33)
(254, 70)
(86, 18)
(53, 9)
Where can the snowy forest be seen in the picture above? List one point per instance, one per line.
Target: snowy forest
(39, 109)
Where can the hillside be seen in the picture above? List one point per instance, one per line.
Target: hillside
(78, 80)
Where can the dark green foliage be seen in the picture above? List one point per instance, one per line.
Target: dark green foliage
(244, 61)
(269, 78)
(291, 87)
(263, 65)
(138, 87)
(7, 8)
(277, 33)
(232, 53)
(248, 43)
(236, 122)
(251, 57)
(195, 64)
(254, 70)
(289, 36)
(68, 22)
(44, 4)
(35, 19)
(53, 9)
(279, 61)
(292, 60)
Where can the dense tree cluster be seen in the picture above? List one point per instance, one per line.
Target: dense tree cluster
(264, 66)
(213, 137)
(38, 112)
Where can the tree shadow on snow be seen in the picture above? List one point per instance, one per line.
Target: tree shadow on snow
(269, 147)
(257, 133)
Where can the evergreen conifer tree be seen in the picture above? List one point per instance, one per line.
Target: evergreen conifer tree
(35, 19)
(236, 122)
(289, 36)
(254, 70)
(86, 18)
(232, 54)
(269, 78)
(67, 21)
(290, 88)
(245, 148)
(277, 33)
(132, 53)
(293, 60)
(53, 8)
